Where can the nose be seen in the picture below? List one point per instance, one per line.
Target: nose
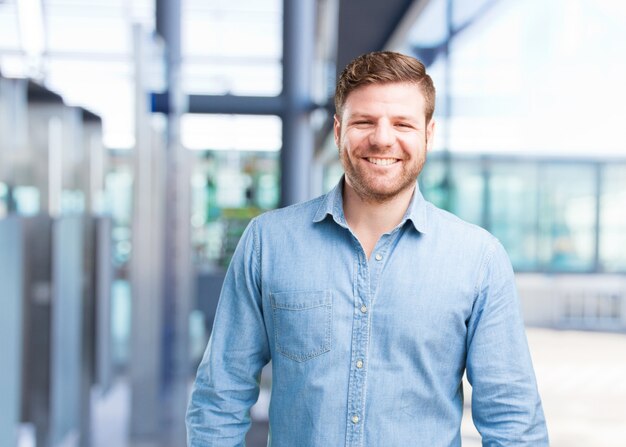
(382, 135)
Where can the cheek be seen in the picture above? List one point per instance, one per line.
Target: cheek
(354, 140)
(417, 143)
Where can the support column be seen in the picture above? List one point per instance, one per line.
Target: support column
(146, 262)
(11, 320)
(177, 270)
(298, 137)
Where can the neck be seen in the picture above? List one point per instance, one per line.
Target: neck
(368, 219)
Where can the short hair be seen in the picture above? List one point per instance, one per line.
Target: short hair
(384, 67)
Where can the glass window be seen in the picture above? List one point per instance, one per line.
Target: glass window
(332, 174)
(437, 72)
(464, 12)
(543, 213)
(431, 28)
(613, 219)
(432, 181)
(512, 211)
(247, 77)
(74, 33)
(467, 189)
(518, 81)
(218, 57)
(9, 31)
(567, 217)
(455, 185)
(231, 132)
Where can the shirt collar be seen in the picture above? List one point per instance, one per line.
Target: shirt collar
(417, 211)
(332, 204)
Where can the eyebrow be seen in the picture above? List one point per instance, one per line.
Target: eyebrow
(369, 115)
(404, 118)
(359, 116)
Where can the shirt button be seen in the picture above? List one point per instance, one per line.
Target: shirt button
(359, 364)
(364, 308)
(378, 257)
(355, 419)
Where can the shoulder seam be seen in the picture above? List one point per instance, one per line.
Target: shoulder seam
(491, 249)
(256, 247)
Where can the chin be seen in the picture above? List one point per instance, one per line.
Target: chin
(383, 193)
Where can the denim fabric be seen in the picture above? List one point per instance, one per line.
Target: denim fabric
(367, 352)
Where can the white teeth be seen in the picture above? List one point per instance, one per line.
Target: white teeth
(382, 161)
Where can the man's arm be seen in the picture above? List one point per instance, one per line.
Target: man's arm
(227, 382)
(506, 406)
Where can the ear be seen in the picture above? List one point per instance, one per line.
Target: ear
(430, 134)
(337, 130)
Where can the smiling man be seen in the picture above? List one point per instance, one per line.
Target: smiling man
(371, 302)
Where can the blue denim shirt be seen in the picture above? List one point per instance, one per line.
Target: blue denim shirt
(367, 352)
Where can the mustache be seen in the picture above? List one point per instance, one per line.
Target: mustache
(374, 149)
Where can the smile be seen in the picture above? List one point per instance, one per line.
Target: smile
(382, 161)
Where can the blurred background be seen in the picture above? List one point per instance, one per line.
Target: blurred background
(138, 138)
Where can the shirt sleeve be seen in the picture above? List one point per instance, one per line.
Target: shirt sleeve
(506, 406)
(227, 381)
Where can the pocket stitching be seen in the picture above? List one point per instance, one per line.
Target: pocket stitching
(326, 302)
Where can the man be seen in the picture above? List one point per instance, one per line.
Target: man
(370, 302)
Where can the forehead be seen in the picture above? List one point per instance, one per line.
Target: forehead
(390, 98)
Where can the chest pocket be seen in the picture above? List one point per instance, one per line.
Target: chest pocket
(302, 323)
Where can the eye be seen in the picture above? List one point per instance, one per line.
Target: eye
(404, 125)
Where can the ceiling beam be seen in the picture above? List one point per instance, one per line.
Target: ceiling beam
(367, 25)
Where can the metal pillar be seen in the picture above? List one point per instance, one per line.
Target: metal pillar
(145, 361)
(177, 267)
(11, 346)
(598, 190)
(447, 182)
(298, 136)
(68, 386)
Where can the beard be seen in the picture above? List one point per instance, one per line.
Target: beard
(371, 187)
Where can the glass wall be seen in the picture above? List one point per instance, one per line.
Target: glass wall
(513, 207)
(551, 216)
(218, 57)
(612, 235)
(567, 217)
(529, 77)
(529, 141)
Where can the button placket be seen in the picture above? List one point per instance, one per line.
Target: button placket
(367, 278)
(378, 260)
(360, 341)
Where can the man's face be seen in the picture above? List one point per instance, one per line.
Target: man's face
(382, 138)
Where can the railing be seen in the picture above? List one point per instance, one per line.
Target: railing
(587, 302)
